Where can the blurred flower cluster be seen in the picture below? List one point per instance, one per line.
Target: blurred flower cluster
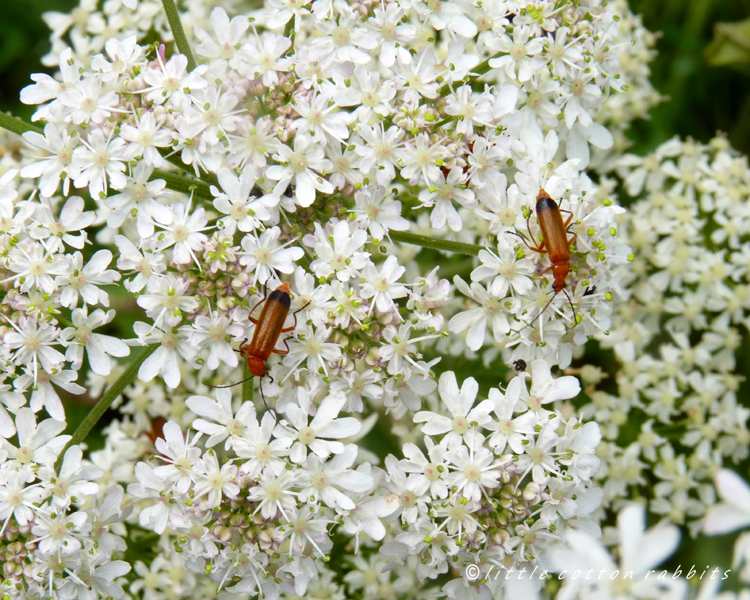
(440, 400)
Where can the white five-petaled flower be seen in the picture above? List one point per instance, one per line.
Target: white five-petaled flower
(264, 58)
(490, 311)
(99, 347)
(180, 455)
(304, 166)
(38, 443)
(58, 164)
(163, 511)
(72, 219)
(226, 37)
(32, 342)
(342, 256)
(263, 254)
(377, 213)
(85, 280)
(223, 423)
(214, 333)
(243, 211)
(506, 270)
(145, 137)
(147, 263)
(464, 416)
(319, 122)
(215, 480)
(166, 300)
(100, 159)
(317, 435)
(143, 198)
(185, 234)
(381, 286)
(169, 80)
(322, 479)
(165, 359)
(76, 479)
(474, 471)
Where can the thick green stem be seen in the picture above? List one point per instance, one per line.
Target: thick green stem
(247, 383)
(178, 32)
(179, 182)
(105, 401)
(435, 243)
(176, 160)
(16, 125)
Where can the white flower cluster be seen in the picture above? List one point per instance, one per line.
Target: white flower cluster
(55, 523)
(271, 507)
(307, 143)
(688, 299)
(466, 499)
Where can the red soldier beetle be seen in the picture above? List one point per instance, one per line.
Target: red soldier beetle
(554, 242)
(157, 429)
(156, 432)
(268, 328)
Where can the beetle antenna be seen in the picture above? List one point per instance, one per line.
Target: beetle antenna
(301, 307)
(218, 387)
(523, 321)
(546, 306)
(262, 395)
(575, 317)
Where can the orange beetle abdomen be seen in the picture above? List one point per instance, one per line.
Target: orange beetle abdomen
(554, 236)
(268, 329)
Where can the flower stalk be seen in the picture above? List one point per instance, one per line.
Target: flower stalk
(178, 32)
(105, 402)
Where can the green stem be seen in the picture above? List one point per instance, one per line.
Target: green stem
(446, 121)
(434, 243)
(476, 72)
(247, 383)
(105, 401)
(178, 32)
(64, 321)
(289, 33)
(176, 160)
(180, 182)
(16, 125)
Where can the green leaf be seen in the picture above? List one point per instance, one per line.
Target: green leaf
(730, 46)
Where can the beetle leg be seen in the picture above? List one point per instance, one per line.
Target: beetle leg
(546, 270)
(573, 239)
(294, 314)
(538, 248)
(276, 351)
(570, 218)
(250, 316)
